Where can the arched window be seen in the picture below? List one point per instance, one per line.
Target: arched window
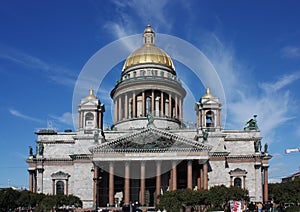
(60, 187)
(89, 117)
(209, 119)
(237, 182)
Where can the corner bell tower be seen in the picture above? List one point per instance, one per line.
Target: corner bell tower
(90, 113)
(208, 112)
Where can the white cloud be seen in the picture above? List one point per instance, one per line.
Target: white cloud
(246, 96)
(65, 118)
(290, 52)
(17, 113)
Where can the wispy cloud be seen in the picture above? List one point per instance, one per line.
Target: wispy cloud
(54, 72)
(283, 81)
(18, 114)
(246, 96)
(290, 52)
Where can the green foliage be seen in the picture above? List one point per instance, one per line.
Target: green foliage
(285, 192)
(8, 199)
(11, 199)
(292, 209)
(216, 197)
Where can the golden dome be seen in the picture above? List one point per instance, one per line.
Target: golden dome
(148, 29)
(149, 53)
(208, 95)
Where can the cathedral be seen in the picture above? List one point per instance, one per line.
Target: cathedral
(148, 150)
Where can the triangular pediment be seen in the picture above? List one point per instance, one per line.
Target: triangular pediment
(88, 103)
(152, 140)
(210, 101)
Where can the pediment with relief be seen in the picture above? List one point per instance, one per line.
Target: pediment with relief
(151, 140)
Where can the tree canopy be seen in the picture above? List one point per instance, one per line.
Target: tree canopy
(216, 197)
(11, 199)
(285, 191)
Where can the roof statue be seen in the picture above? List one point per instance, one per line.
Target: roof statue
(252, 124)
(204, 134)
(150, 120)
(266, 148)
(257, 146)
(30, 151)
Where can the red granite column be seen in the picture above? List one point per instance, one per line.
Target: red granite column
(53, 187)
(189, 174)
(158, 180)
(67, 187)
(95, 188)
(174, 175)
(171, 181)
(111, 185)
(266, 196)
(201, 178)
(143, 184)
(205, 176)
(127, 184)
(31, 180)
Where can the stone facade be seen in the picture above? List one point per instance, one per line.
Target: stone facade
(148, 150)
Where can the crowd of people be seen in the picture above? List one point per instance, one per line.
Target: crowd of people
(263, 207)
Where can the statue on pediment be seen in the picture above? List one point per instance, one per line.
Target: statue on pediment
(252, 124)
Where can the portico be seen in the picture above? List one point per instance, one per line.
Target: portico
(148, 167)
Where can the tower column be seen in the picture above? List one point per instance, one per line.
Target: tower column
(127, 184)
(170, 106)
(189, 174)
(115, 111)
(133, 105)
(111, 184)
(120, 108)
(143, 184)
(161, 104)
(180, 109)
(126, 107)
(176, 107)
(143, 104)
(152, 102)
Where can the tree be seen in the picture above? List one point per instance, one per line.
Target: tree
(8, 199)
(216, 197)
(285, 191)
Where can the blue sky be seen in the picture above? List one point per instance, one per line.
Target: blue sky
(253, 45)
